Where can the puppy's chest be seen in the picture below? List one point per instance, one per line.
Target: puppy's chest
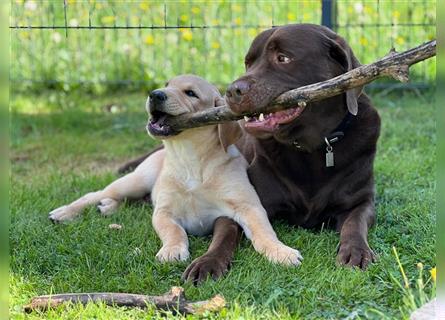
(194, 203)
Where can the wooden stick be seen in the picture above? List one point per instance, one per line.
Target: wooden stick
(174, 300)
(395, 65)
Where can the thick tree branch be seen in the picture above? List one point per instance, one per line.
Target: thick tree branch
(174, 300)
(395, 65)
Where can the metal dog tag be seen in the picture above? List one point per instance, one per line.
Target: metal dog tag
(329, 157)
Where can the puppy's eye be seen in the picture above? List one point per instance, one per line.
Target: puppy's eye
(191, 93)
(283, 58)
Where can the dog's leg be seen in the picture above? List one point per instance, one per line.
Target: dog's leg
(258, 229)
(134, 185)
(215, 262)
(353, 226)
(174, 239)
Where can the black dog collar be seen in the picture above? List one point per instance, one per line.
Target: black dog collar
(336, 136)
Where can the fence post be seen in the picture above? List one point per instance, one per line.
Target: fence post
(327, 13)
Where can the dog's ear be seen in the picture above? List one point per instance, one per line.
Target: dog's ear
(229, 133)
(340, 51)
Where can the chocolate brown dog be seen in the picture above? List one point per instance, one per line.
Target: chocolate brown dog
(310, 165)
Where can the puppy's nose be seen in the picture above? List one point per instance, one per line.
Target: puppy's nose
(158, 96)
(237, 90)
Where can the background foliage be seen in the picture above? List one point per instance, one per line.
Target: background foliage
(140, 44)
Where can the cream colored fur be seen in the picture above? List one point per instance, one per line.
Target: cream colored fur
(194, 180)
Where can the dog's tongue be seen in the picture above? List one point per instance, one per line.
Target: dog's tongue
(270, 122)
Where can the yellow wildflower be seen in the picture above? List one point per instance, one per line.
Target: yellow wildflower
(350, 10)
(252, 32)
(216, 45)
(187, 35)
(400, 40)
(236, 8)
(291, 16)
(367, 9)
(98, 5)
(396, 14)
(107, 19)
(364, 41)
(149, 40)
(237, 21)
(306, 16)
(144, 5)
(433, 274)
(196, 10)
(184, 18)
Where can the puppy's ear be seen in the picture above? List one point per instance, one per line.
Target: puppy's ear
(342, 54)
(229, 133)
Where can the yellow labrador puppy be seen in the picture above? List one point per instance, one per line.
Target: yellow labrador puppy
(198, 177)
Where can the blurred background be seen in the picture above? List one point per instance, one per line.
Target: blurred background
(107, 45)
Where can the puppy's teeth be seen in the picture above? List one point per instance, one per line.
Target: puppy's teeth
(261, 118)
(246, 118)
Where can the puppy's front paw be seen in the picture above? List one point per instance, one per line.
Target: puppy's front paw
(64, 213)
(284, 255)
(108, 206)
(173, 253)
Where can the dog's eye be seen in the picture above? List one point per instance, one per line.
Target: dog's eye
(191, 93)
(282, 58)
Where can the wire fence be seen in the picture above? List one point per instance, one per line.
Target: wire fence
(104, 45)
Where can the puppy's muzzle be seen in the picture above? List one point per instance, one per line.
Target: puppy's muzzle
(157, 100)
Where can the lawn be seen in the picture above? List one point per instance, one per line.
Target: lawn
(64, 145)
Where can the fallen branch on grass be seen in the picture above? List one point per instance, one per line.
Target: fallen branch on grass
(395, 65)
(174, 301)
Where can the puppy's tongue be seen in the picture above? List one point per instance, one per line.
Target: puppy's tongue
(271, 121)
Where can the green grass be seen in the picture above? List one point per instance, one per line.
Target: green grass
(63, 146)
(101, 59)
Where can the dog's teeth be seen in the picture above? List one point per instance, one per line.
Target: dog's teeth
(261, 118)
(246, 118)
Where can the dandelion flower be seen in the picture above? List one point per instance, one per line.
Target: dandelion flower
(149, 40)
(291, 16)
(396, 14)
(433, 274)
(144, 5)
(196, 10)
(237, 21)
(187, 35)
(216, 45)
(364, 41)
(236, 8)
(107, 19)
(400, 40)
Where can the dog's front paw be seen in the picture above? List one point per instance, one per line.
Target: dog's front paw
(107, 206)
(284, 255)
(64, 213)
(173, 253)
(206, 266)
(355, 253)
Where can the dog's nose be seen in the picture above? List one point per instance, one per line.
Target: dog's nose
(158, 96)
(237, 90)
